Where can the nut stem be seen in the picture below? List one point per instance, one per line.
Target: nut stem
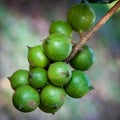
(93, 30)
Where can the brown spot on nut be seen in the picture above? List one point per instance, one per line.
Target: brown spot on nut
(32, 104)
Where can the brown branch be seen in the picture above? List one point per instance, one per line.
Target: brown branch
(94, 30)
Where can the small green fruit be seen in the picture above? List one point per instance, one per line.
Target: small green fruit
(79, 84)
(81, 17)
(60, 27)
(84, 59)
(52, 98)
(19, 78)
(38, 78)
(37, 57)
(26, 99)
(59, 73)
(57, 46)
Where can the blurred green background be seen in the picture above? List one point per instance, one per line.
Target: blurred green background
(26, 23)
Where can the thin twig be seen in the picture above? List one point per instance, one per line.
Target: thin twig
(93, 30)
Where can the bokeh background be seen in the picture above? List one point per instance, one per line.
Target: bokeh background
(26, 23)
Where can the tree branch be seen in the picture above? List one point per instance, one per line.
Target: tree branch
(93, 30)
